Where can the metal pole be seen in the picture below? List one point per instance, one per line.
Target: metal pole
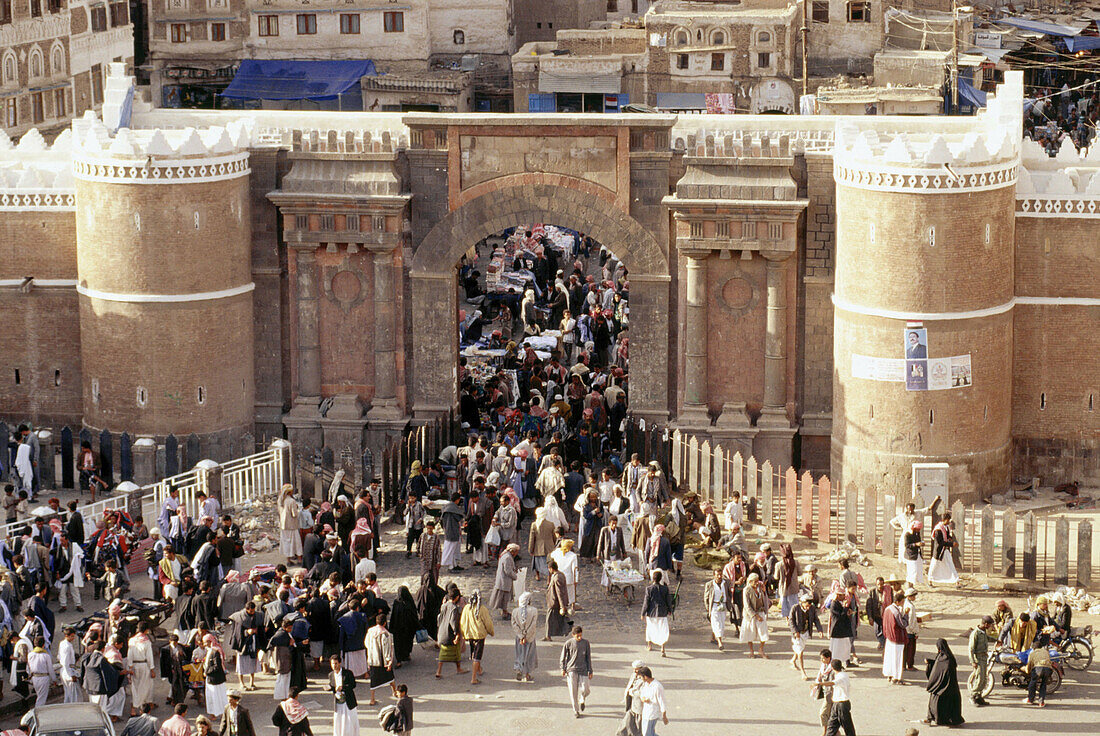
(954, 56)
(805, 43)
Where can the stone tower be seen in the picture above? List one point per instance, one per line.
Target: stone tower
(164, 280)
(923, 301)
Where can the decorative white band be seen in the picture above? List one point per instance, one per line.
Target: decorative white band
(1047, 301)
(920, 316)
(40, 200)
(928, 181)
(1067, 206)
(1060, 301)
(40, 283)
(153, 171)
(201, 296)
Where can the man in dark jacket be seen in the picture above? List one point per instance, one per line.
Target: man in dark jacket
(236, 720)
(99, 677)
(75, 525)
(341, 683)
(321, 627)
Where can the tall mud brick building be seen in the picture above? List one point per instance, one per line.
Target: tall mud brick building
(843, 294)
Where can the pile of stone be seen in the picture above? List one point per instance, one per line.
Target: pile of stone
(846, 551)
(259, 522)
(1078, 599)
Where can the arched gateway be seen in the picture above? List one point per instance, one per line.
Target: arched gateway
(591, 178)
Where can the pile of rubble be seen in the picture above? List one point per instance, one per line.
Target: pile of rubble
(259, 522)
(846, 551)
(1078, 599)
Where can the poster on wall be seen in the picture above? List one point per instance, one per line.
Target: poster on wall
(933, 374)
(916, 358)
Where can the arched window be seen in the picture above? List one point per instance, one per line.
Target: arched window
(718, 38)
(764, 37)
(57, 61)
(36, 64)
(459, 37)
(11, 69)
(681, 38)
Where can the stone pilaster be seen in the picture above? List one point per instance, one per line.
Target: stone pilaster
(773, 442)
(303, 420)
(384, 404)
(695, 340)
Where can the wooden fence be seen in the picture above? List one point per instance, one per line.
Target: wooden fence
(1053, 550)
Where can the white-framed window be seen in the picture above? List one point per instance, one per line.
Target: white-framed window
(763, 37)
(763, 60)
(57, 61)
(682, 38)
(201, 397)
(60, 102)
(177, 32)
(820, 11)
(36, 64)
(717, 38)
(217, 31)
(11, 113)
(681, 61)
(717, 62)
(458, 37)
(142, 396)
(217, 4)
(11, 68)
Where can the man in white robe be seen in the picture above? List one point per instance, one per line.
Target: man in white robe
(70, 670)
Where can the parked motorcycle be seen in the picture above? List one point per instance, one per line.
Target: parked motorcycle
(1076, 649)
(1015, 670)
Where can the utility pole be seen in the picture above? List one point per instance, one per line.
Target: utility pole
(805, 48)
(954, 56)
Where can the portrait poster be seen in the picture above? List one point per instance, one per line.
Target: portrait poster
(961, 375)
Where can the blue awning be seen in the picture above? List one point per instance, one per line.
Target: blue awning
(970, 95)
(1082, 43)
(1038, 26)
(297, 80)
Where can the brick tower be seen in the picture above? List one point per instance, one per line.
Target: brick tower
(164, 278)
(923, 301)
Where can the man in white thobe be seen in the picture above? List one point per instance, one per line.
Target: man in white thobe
(71, 582)
(70, 671)
(40, 670)
(139, 653)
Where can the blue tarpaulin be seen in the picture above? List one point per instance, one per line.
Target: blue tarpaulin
(1082, 43)
(297, 80)
(970, 95)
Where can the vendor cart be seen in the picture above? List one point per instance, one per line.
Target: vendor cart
(620, 581)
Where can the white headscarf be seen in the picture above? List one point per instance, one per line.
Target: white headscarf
(554, 512)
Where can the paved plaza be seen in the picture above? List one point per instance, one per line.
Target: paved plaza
(707, 691)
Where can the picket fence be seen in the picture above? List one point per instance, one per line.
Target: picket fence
(1049, 549)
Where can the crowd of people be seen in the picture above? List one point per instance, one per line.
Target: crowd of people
(1060, 113)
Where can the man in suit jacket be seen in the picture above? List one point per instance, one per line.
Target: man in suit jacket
(341, 683)
(915, 350)
(611, 545)
(236, 721)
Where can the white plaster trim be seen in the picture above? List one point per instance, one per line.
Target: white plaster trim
(153, 171)
(1070, 205)
(39, 200)
(46, 283)
(1048, 301)
(1060, 301)
(921, 316)
(933, 180)
(201, 296)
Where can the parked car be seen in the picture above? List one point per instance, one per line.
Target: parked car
(68, 719)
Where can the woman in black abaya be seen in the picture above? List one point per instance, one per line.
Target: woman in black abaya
(429, 599)
(404, 622)
(944, 699)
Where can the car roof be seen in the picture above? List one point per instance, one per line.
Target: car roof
(68, 716)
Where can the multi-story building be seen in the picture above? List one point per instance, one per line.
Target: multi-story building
(54, 56)
(687, 49)
(196, 45)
